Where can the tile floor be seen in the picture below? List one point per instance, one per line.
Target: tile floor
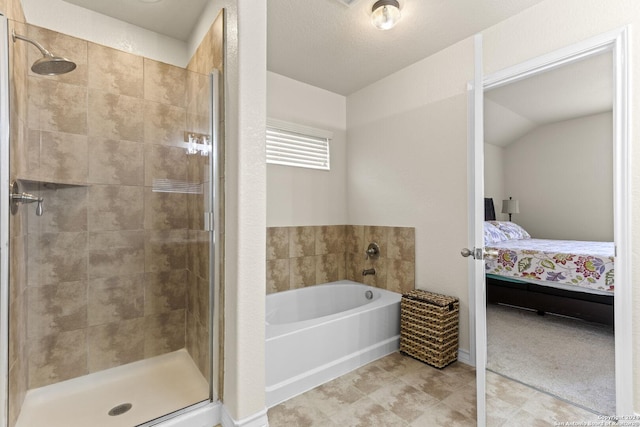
(400, 391)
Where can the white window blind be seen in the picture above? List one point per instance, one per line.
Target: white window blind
(291, 144)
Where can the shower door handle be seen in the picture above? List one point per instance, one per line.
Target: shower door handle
(208, 221)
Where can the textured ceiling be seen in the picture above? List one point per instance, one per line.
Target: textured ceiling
(335, 47)
(328, 43)
(332, 44)
(173, 18)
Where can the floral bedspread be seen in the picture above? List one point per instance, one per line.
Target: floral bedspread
(583, 264)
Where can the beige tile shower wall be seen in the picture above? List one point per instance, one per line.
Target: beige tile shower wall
(12, 9)
(306, 256)
(107, 263)
(18, 231)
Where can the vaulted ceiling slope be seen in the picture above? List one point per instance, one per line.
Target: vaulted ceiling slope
(577, 89)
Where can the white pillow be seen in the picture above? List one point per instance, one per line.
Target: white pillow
(512, 230)
(492, 234)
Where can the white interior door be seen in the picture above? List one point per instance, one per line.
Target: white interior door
(477, 294)
(617, 40)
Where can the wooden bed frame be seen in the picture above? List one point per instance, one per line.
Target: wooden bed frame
(545, 299)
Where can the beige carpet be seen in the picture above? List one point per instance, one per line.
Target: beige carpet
(568, 358)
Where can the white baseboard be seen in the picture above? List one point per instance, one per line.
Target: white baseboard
(464, 357)
(258, 419)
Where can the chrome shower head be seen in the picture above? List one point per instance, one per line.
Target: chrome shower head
(52, 66)
(49, 64)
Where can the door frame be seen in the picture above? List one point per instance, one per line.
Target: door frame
(618, 42)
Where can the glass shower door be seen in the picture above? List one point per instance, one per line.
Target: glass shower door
(4, 218)
(109, 292)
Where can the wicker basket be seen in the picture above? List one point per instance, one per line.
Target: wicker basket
(429, 327)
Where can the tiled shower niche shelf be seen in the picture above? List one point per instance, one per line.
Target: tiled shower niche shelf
(35, 184)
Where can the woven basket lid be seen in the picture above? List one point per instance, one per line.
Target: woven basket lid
(430, 297)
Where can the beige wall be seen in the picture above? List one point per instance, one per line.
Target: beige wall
(407, 151)
(299, 196)
(245, 124)
(562, 175)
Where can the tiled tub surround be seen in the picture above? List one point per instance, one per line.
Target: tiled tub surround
(310, 255)
(113, 272)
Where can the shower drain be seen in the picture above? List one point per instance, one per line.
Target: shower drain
(120, 409)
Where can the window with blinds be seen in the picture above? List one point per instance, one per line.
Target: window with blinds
(291, 144)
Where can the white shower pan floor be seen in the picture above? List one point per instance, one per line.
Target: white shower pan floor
(154, 387)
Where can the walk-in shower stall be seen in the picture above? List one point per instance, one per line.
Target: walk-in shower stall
(110, 167)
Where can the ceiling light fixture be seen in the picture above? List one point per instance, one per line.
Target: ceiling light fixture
(385, 14)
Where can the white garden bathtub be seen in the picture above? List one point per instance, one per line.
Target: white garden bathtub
(318, 333)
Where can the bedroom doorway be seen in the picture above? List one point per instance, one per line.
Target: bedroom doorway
(500, 98)
(549, 145)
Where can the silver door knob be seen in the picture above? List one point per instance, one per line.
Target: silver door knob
(475, 253)
(465, 252)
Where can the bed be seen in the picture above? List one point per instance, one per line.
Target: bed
(571, 278)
